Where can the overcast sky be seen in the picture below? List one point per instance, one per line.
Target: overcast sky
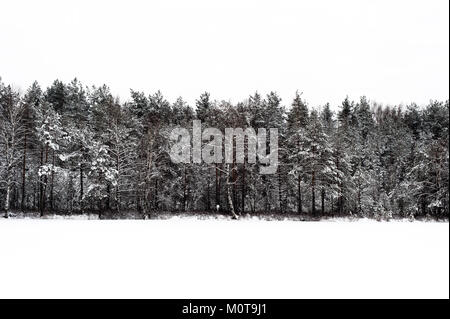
(392, 51)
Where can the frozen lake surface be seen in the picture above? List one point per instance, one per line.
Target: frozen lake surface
(192, 258)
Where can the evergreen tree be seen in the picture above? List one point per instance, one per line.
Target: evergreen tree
(72, 149)
(11, 135)
(297, 121)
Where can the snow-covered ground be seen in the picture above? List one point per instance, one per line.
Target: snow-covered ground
(213, 258)
(132, 215)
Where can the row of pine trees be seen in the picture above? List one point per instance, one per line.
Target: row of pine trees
(70, 149)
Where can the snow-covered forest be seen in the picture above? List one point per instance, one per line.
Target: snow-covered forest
(70, 149)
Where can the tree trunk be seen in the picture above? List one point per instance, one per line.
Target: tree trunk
(52, 181)
(313, 190)
(117, 199)
(108, 198)
(24, 169)
(208, 191)
(8, 194)
(280, 193)
(359, 200)
(15, 198)
(234, 178)
(184, 188)
(299, 198)
(243, 190)
(156, 194)
(217, 187)
(45, 182)
(117, 194)
(229, 190)
(34, 195)
(323, 201)
(81, 188)
(41, 186)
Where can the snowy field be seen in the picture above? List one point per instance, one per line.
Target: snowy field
(191, 258)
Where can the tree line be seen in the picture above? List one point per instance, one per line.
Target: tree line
(72, 149)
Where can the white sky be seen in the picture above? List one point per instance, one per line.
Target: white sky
(393, 51)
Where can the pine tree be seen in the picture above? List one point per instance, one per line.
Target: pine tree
(298, 120)
(11, 135)
(73, 149)
(101, 176)
(31, 101)
(203, 106)
(49, 132)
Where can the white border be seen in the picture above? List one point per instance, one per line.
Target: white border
(192, 258)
